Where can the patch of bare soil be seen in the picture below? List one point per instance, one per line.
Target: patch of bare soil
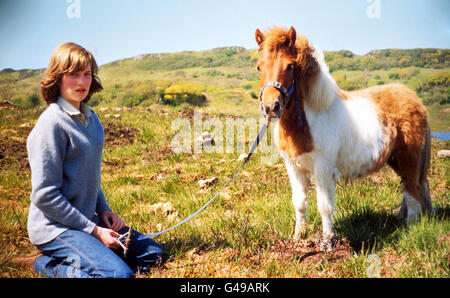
(6, 105)
(13, 146)
(157, 154)
(189, 113)
(308, 250)
(119, 134)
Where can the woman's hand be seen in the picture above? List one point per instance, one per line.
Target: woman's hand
(112, 221)
(107, 236)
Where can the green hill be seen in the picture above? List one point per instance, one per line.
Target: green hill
(227, 76)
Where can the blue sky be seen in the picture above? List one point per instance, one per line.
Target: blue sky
(116, 29)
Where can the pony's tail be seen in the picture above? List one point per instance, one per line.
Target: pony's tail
(425, 156)
(423, 170)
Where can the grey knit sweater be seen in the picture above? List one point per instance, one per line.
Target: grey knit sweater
(65, 159)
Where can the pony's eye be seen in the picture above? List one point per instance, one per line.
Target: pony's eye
(289, 67)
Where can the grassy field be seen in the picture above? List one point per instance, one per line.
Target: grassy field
(247, 231)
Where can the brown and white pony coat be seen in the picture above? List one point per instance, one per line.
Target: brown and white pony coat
(344, 134)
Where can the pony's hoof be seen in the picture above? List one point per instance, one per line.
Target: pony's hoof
(328, 244)
(301, 234)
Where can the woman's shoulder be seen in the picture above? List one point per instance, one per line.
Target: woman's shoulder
(51, 118)
(51, 113)
(94, 115)
(49, 134)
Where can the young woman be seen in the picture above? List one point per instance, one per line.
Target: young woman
(69, 219)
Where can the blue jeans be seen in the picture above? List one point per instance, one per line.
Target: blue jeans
(77, 254)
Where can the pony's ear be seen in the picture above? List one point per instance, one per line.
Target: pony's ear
(259, 36)
(292, 37)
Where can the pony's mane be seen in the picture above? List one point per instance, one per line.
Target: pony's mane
(276, 38)
(320, 88)
(325, 89)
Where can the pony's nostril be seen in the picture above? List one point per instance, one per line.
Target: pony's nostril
(276, 107)
(267, 110)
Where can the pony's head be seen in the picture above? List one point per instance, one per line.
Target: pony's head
(285, 58)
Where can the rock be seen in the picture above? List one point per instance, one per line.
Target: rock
(26, 125)
(207, 182)
(7, 105)
(138, 57)
(226, 195)
(112, 115)
(443, 153)
(206, 139)
(165, 210)
(242, 157)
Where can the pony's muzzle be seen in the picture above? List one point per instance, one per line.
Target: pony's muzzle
(271, 110)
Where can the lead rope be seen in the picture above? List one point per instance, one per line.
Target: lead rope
(125, 242)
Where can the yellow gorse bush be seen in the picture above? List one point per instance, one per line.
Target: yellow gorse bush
(183, 90)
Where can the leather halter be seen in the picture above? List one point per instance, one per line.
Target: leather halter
(286, 92)
(287, 95)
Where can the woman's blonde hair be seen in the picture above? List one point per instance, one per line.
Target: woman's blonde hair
(68, 58)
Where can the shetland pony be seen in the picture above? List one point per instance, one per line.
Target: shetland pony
(341, 134)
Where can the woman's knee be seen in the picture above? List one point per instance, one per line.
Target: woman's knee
(124, 272)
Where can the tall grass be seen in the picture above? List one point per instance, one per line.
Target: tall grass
(247, 231)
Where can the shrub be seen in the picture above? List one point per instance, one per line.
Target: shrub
(185, 92)
(247, 86)
(394, 76)
(32, 100)
(214, 73)
(137, 92)
(29, 102)
(185, 88)
(96, 99)
(354, 83)
(439, 79)
(340, 78)
(131, 99)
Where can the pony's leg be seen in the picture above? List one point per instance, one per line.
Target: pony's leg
(412, 206)
(299, 185)
(325, 187)
(416, 198)
(412, 166)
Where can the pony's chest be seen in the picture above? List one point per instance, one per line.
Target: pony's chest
(288, 151)
(293, 140)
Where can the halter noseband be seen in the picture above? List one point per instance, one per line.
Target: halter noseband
(286, 92)
(287, 95)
